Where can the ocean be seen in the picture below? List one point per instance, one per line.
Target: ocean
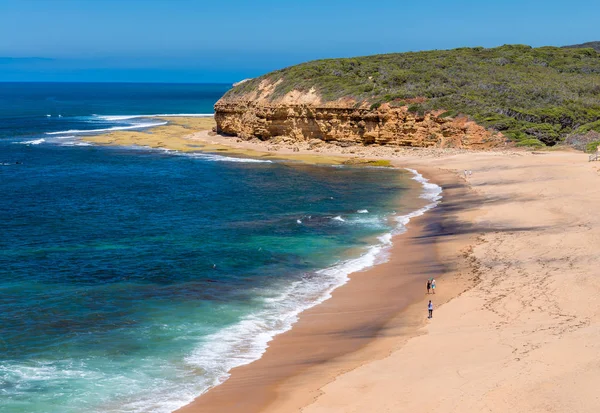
(132, 279)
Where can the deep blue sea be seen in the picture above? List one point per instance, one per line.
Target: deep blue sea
(131, 279)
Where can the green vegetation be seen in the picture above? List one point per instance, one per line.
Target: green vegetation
(592, 146)
(533, 95)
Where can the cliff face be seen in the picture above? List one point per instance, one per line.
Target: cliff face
(343, 125)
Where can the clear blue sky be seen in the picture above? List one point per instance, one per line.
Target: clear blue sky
(226, 40)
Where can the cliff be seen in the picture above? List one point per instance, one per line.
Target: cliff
(346, 126)
(468, 97)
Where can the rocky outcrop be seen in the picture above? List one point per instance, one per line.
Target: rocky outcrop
(345, 125)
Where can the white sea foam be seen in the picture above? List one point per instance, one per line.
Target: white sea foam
(141, 125)
(338, 218)
(363, 211)
(26, 372)
(76, 143)
(217, 158)
(248, 339)
(160, 115)
(431, 192)
(33, 142)
(373, 221)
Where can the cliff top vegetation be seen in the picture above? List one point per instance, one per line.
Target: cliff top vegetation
(533, 95)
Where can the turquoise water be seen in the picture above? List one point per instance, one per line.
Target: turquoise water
(132, 280)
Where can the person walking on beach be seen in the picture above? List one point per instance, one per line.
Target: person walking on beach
(428, 285)
(430, 308)
(433, 285)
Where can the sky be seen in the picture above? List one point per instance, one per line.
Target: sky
(229, 40)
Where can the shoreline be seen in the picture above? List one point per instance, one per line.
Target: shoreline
(324, 344)
(323, 334)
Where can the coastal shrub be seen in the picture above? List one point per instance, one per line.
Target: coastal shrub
(417, 110)
(530, 142)
(448, 114)
(593, 126)
(592, 146)
(544, 93)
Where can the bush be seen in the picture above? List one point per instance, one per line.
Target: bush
(592, 147)
(447, 114)
(530, 142)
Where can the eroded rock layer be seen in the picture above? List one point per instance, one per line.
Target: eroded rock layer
(394, 126)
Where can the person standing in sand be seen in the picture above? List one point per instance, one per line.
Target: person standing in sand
(433, 285)
(430, 309)
(428, 285)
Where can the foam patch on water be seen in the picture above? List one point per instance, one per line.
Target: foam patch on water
(32, 142)
(216, 158)
(140, 125)
(76, 143)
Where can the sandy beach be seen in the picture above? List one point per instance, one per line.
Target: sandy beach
(516, 319)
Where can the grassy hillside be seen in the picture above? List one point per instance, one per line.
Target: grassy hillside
(532, 95)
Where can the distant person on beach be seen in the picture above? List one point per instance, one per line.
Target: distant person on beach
(433, 285)
(428, 286)
(470, 172)
(430, 308)
(466, 173)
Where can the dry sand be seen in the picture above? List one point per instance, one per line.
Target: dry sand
(517, 243)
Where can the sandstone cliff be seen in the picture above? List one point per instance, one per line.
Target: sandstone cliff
(339, 123)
